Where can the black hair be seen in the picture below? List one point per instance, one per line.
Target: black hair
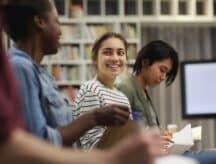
(19, 16)
(99, 41)
(155, 51)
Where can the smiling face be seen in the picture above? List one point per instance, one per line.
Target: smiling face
(111, 59)
(156, 73)
(51, 32)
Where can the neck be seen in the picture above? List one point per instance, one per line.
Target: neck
(141, 81)
(109, 83)
(31, 48)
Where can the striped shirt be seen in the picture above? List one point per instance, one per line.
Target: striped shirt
(93, 94)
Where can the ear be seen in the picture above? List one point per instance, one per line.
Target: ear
(39, 22)
(94, 61)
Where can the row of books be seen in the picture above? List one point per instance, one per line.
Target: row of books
(129, 30)
(65, 73)
(93, 31)
(70, 32)
(67, 52)
(131, 52)
(72, 53)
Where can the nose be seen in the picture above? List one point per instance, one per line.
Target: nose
(115, 56)
(163, 76)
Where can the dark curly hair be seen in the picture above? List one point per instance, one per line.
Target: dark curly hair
(18, 16)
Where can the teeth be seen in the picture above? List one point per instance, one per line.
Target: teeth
(113, 66)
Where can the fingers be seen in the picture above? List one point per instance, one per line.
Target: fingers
(119, 120)
(167, 139)
(166, 133)
(167, 136)
(156, 147)
(121, 107)
(111, 115)
(122, 113)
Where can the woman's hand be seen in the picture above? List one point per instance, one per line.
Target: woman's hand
(112, 115)
(166, 140)
(141, 148)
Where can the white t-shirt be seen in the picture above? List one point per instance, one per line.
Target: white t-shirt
(93, 94)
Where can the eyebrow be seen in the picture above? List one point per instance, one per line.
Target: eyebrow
(113, 48)
(165, 67)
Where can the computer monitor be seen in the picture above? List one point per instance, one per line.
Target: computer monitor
(198, 86)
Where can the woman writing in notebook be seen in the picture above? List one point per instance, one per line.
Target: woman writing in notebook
(156, 62)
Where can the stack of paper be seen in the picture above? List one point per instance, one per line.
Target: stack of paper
(183, 141)
(197, 133)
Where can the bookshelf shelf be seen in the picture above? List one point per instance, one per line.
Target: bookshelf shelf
(82, 21)
(63, 62)
(68, 83)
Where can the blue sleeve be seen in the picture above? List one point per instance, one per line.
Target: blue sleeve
(32, 109)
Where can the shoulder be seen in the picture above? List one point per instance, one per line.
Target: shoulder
(125, 85)
(25, 70)
(22, 65)
(19, 58)
(91, 86)
(86, 90)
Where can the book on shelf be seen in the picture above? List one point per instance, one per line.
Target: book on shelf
(87, 54)
(132, 51)
(91, 72)
(67, 52)
(65, 73)
(70, 32)
(129, 30)
(56, 72)
(73, 52)
(76, 9)
(73, 73)
(93, 31)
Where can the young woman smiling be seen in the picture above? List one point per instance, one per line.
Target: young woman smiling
(109, 56)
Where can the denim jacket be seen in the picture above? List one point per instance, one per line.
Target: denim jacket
(44, 108)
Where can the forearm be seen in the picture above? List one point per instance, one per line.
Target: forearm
(24, 148)
(77, 128)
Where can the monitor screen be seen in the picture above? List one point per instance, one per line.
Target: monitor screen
(198, 85)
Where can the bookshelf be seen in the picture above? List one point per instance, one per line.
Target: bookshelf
(82, 21)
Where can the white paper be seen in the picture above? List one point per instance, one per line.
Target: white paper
(183, 141)
(173, 159)
(197, 133)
